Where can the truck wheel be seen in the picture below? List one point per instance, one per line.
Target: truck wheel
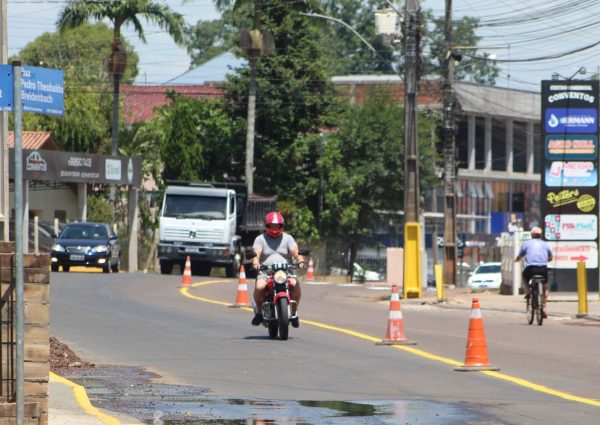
(233, 269)
(166, 267)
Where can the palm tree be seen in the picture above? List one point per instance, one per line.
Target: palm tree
(121, 13)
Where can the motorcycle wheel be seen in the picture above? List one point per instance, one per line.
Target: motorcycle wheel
(273, 328)
(284, 317)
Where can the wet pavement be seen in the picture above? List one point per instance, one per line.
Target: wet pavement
(134, 392)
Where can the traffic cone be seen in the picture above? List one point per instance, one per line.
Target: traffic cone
(241, 299)
(310, 273)
(476, 357)
(187, 273)
(395, 328)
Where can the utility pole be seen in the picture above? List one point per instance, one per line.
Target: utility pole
(412, 226)
(411, 147)
(449, 156)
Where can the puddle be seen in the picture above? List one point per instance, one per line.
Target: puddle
(135, 392)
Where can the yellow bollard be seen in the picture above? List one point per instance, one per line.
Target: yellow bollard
(439, 281)
(582, 289)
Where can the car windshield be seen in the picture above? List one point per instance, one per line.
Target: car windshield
(84, 232)
(488, 268)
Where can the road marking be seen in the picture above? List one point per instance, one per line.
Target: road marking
(84, 402)
(415, 351)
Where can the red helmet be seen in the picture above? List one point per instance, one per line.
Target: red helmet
(274, 224)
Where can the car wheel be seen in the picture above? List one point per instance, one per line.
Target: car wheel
(106, 268)
(54, 267)
(66, 268)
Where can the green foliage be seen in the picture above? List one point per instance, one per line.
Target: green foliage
(363, 166)
(299, 221)
(82, 54)
(98, 209)
(195, 140)
(294, 96)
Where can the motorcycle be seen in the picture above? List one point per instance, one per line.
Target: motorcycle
(278, 306)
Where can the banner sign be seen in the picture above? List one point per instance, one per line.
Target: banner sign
(79, 167)
(566, 255)
(571, 147)
(580, 227)
(569, 200)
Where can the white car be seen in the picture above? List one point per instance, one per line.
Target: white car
(486, 276)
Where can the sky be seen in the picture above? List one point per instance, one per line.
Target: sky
(513, 30)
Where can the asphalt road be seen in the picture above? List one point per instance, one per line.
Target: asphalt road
(549, 374)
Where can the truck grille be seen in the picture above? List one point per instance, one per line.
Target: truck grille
(194, 235)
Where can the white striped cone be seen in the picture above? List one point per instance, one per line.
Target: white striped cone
(242, 299)
(310, 273)
(395, 329)
(187, 273)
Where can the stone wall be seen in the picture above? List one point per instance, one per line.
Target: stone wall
(37, 333)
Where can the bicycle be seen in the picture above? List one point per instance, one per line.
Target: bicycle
(535, 302)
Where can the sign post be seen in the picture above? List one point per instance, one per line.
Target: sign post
(37, 90)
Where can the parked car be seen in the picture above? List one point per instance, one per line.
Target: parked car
(360, 274)
(486, 276)
(86, 244)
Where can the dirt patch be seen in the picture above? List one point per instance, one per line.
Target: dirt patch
(62, 357)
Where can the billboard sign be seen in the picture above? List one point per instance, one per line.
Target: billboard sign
(569, 201)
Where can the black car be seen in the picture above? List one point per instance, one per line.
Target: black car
(86, 244)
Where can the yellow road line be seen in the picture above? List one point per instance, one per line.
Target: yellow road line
(84, 402)
(415, 351)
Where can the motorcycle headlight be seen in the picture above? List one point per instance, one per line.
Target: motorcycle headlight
(58, 248)
(100, 248)
(280, 276)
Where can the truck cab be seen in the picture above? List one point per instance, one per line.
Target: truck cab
(210, 223)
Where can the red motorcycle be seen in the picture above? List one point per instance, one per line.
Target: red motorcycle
(278, 306)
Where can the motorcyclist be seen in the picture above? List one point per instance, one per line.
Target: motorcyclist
(275, 246)
(536, 254)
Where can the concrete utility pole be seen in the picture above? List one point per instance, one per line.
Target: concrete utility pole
(4, 195)
(411, 148)
(412, 225)
(449, 156)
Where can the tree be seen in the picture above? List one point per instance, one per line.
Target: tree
(362, 165)
(81, 53)
(122, 13)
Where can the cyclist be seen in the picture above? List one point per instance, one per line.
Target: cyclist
(274, 246)
(536, 254)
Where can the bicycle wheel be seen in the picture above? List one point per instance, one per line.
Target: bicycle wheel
(539, 312)
(530, 305)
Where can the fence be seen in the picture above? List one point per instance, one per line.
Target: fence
(8, 341)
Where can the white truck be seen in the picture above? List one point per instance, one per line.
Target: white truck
(212, 223)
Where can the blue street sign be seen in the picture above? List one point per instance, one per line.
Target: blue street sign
(6, 88)
(43, 90)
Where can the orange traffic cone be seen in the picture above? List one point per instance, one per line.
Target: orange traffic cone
(395, 329)
(477, 354)
(187, 273)
(310, 273)
(241, 299)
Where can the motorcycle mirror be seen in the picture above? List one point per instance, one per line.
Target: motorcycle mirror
(250, 254)
(304, 252)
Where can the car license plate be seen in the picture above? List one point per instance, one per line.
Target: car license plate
(77, 257)
(194, 250)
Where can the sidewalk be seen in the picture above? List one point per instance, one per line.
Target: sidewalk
(69, 405)
(560, 304)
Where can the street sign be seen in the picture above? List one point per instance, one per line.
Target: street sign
(43, 90)
(6, 88)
